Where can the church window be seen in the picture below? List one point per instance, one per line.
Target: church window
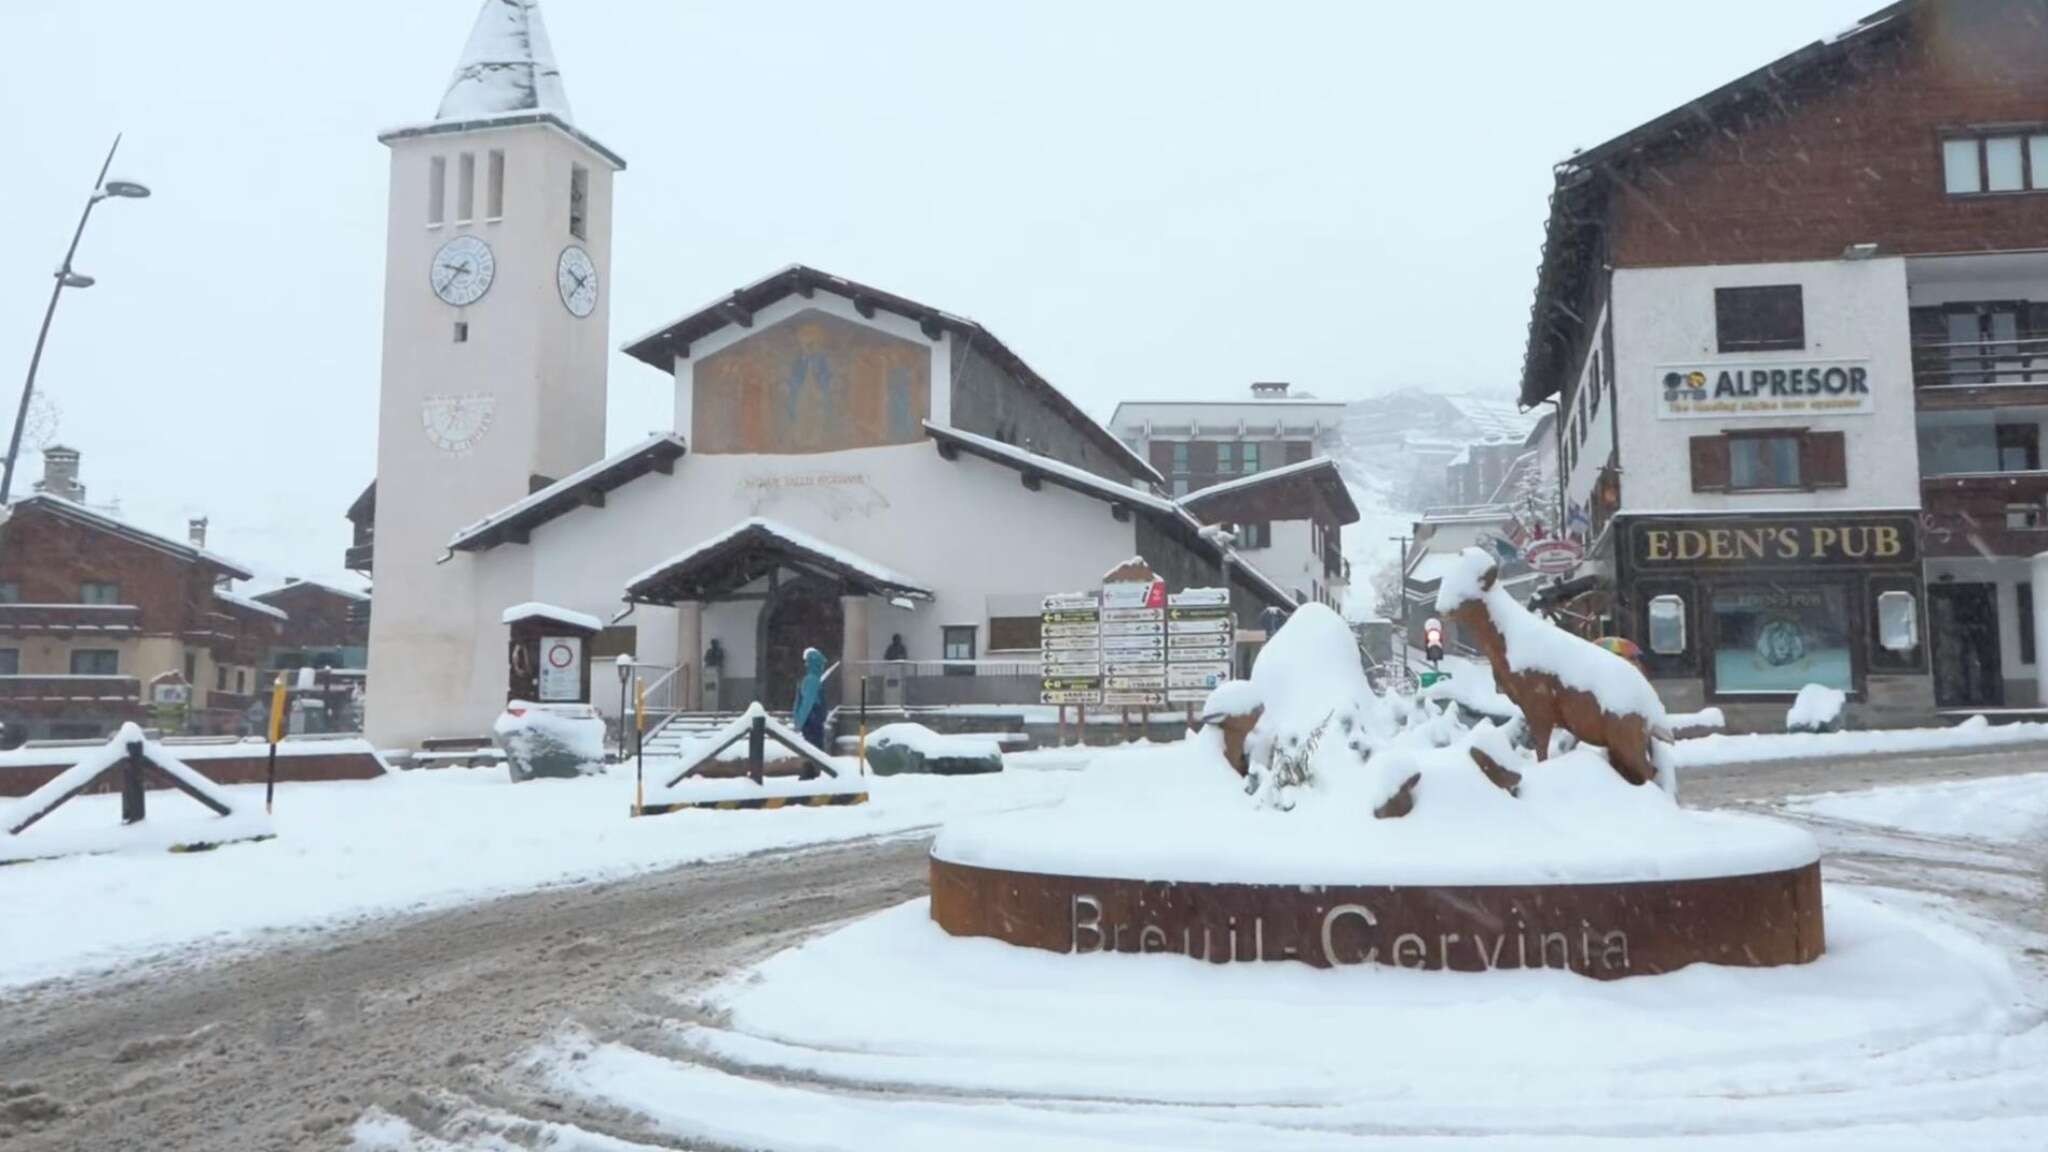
(437, 191)
(465, 189)
(579, 201)
(494, 186)
(462, 331)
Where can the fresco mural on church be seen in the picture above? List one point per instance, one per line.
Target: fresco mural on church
(814, 382)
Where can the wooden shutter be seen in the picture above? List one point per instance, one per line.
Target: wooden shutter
(1710, 463)
(1824, 460)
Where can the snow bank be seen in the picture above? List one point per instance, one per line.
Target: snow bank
(1974, 734)
(550, 739)
(1817, 708)
(1535, 645)
(2001, 809)
(933, 745)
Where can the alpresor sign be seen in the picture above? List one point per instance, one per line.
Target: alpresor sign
(1764, 388)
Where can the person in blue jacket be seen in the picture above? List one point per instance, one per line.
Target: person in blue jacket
(809, 712)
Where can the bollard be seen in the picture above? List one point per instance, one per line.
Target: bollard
(132, 802)
(756, 737)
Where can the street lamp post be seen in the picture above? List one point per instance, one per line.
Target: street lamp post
(102, 189)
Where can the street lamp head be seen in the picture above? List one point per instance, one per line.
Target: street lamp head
(127, 189)
(75, 279)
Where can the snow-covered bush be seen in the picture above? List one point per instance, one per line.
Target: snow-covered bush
(1817, 708)
(550, 739)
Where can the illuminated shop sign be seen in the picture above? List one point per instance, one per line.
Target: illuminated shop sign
(1764, 541)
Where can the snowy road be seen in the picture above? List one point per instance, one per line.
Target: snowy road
(417, 1030)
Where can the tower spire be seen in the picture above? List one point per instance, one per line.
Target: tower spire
(507, 66)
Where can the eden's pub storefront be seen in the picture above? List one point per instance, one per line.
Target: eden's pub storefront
(1741, 612)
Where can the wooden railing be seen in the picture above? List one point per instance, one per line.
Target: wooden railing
(102, 619)
(69, 689)
(1975, 363)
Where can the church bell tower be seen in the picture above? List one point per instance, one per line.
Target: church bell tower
(496, 301)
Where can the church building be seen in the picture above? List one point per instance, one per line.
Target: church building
(849, 470)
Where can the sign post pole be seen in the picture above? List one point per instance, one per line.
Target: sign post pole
(277, 705)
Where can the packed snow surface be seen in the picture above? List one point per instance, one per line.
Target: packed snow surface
(417, 840)
(2002, 809)
(1905, 1034)
(1974, 734)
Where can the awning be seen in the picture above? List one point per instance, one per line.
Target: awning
(755, 547)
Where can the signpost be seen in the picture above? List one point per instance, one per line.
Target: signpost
(1201, 636)
(1134, 645)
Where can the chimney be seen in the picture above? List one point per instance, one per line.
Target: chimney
(1269, 389)
(195, 531)
(60, 474)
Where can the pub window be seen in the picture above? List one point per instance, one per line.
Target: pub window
(1898, 621)
(2024, 591)
(2019, 447)
(1667, 625)
(95, 662)
(1013, 633)
(1778, 638)
(99, 592)
(579, 201)
(1765, 318)
(957, 644)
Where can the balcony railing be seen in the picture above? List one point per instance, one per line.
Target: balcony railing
(70, 689)
(70, 619)
(1941, 366)
(1984, 514)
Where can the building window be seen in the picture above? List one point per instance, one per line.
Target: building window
(1780, 638)
(10, 592)
(1769, 461)
(462, 331)
(191, 667)
(1179, 471)
(579, 201)
(957, 644)
(1257, 534)
(1250, 456)
(220, 677)
(1013, 633)
(1768, 318)
(494, 186)
(2019, 447)
(95, 662)
(97, 592)
(2025, 597)
(1667, 625)
(1226, 458)
(242, 681)
(1898, 624)
(2008, 162)
(437, 191)
(465, 188)
(10, 661)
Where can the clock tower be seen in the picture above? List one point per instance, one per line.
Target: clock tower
(496, 284)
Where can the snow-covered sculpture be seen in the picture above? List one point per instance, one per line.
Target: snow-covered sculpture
(1557, 679)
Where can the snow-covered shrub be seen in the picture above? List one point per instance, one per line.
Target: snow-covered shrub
(1817, 708)
(550, 739)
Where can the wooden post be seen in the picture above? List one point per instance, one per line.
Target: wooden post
(756, 736)
(861, 749)
(132, 802)
(1081, 724)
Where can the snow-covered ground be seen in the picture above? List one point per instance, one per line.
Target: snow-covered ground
(414, 841)
(2003, 809)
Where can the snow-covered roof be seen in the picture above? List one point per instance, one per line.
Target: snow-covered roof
(657, 453)
(100, 520)
(693, 566)
(1320, 468)
(1081, 480)
(507, 66)
(313, 582)
(535, 610)
(252, 605)
(1432, 566)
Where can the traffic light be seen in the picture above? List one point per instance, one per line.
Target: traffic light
(1433, 640)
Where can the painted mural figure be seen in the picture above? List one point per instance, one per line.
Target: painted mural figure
(809, 710)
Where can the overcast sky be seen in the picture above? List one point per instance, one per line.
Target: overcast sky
(1144, 200)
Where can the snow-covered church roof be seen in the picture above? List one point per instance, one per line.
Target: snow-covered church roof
(507, 66)
(506, 76)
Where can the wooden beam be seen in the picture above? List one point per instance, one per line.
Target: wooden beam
(864, 306)
(664, 464)
(516, 535)
(948, 451)
(592, 497)
(738, 313)
(931, 327)
(803, 287)
(1121, 513)
(1032, 480)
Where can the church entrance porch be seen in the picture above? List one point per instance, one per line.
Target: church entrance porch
(797, 614)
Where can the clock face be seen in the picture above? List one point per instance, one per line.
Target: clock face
(462, 270)
(455, 422)
(576, 278)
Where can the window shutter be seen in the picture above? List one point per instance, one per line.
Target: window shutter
(1710, 463)
(1825, 461)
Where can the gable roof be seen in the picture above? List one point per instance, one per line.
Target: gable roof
(586, 486)
(1320, 471)
(659, 348)
(99, 521)
(1574, 232)
(250, 603)
(1171, 516)
(747, 551)
(298, 583)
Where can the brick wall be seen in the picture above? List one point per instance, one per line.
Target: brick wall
(1854, 158)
